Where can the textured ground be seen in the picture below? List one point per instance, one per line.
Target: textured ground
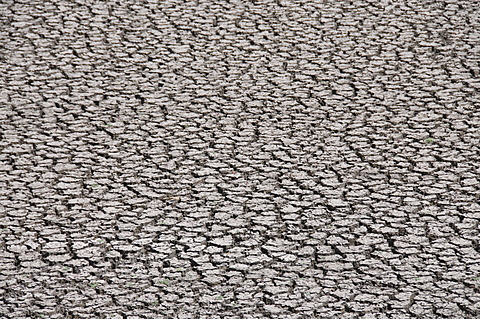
(243, 159)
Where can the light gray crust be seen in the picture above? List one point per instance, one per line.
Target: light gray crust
(239, 159)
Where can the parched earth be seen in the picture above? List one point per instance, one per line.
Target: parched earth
(239, 159)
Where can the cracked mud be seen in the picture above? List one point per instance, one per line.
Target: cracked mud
(239, 159)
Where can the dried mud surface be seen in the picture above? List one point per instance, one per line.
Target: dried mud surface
(239, 159)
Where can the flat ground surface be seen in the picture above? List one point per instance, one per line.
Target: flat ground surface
(239, 159)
